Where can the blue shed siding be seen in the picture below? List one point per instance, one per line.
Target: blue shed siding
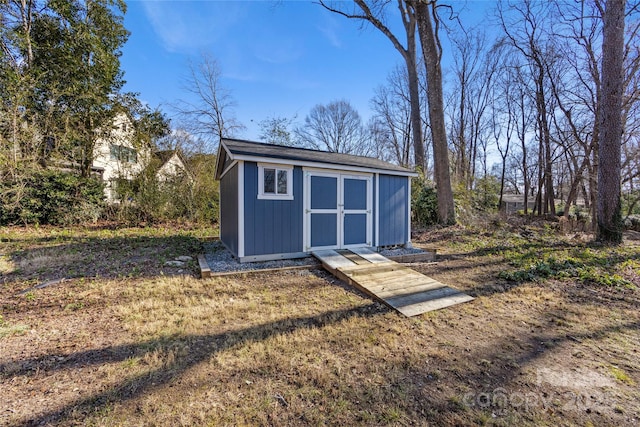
(271, 226)
(393, 210)
(229, 210)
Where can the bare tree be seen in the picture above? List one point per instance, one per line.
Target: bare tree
(275, 130)
(466, 60)
(428, 25)
(210, 114)
(182, 140)
(631, 110)
(475, 69)
(392, 114)
(504, 120)
(335, 127)
(575, 85)
(609, 210)
(374, 12)
(380, 141)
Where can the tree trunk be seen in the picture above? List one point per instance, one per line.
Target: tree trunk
(547, 203)
(539, 199)
(609, 216)
(522, 134)
(431, 54)
(406, 8)
(414, 99)
(575, 184)
(461, 163)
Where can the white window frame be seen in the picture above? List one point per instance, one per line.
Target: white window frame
(278, 167)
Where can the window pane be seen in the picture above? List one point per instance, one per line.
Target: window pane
(133, 156)
(115, 153)
(269, 181)
(282, 182)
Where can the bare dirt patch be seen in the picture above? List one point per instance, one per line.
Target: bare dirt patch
(551, 338)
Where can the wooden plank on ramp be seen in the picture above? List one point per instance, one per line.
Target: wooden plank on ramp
(369, 255)
(401, 288)
(332, 260)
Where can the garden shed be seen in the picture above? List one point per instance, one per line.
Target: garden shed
(280, 202)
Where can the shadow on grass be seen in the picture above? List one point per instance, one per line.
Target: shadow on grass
(207, 346)
(43, 258)
(424, 394)
(492, 384)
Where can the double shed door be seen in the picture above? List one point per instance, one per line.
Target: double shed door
(338, 210)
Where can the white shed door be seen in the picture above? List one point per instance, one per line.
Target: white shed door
(338, 211)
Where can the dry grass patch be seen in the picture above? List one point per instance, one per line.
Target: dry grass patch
(47, 253)
(300, 348)
(6, 265)
(41, 259)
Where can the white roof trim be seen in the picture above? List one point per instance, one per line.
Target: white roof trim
(224, 172)
(221, 147)
(322, 165)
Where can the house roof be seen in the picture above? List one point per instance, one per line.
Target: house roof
(238, 149)
(164, 155)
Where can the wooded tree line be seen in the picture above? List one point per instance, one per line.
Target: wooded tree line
(535, 95)
(540, 95)
(524, 103)
(537, 92)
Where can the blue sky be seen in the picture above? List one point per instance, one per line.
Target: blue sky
(278, 58)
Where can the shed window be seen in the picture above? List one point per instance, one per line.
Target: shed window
(275, 182)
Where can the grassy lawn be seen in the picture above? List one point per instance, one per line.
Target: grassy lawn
(552, 337)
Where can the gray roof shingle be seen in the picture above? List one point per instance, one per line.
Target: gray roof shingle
(250, 148)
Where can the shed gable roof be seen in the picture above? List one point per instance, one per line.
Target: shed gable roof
(249, 150)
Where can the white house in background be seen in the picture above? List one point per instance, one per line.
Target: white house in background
(117, 156)
(171, 164)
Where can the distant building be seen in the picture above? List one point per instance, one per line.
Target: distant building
(118, 156)
(512, 203)
(170, 164)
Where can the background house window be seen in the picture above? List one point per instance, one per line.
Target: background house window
(123, 154)
(275, 182)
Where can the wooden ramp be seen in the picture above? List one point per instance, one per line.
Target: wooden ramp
(401, 288)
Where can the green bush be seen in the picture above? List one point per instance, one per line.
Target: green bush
(51, 197)
(575, 212)
(206, 190)
(191, 197)
(146, 199)
(474, 204)
(630, 202)
(486, 194)
(424, 203)
(632, 222)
